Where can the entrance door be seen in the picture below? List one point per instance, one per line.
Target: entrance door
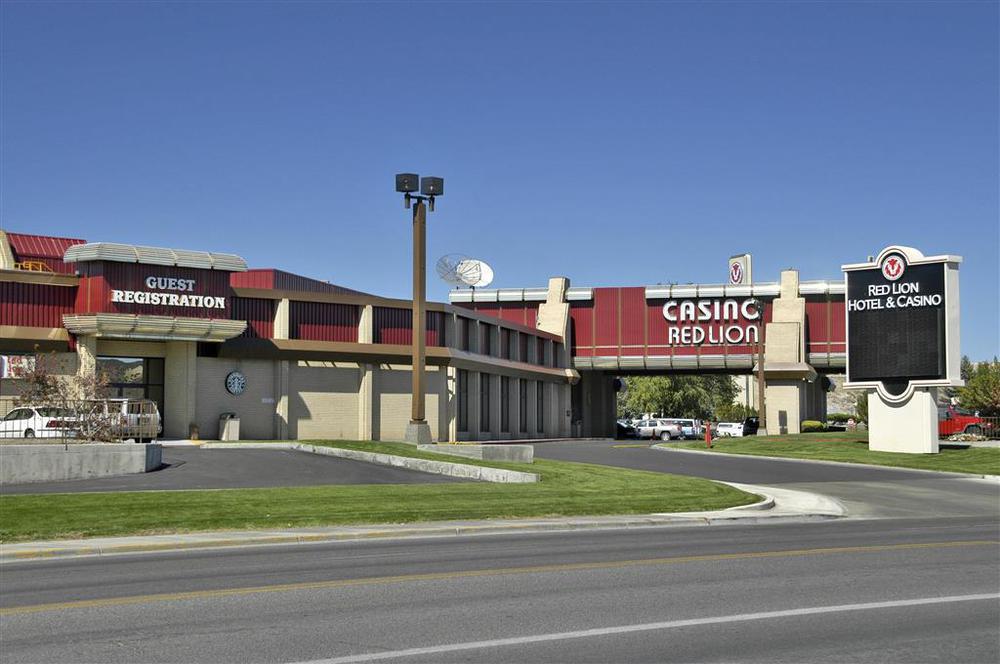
(134, 377)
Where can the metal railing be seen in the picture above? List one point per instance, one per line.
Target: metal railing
(97, 420)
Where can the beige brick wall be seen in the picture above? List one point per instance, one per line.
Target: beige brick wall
(392, 402)
(323, 400)
(255, 407)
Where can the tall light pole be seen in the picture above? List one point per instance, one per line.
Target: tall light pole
(418, 431)
(761, 410)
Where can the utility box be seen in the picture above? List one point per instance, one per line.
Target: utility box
(229, 427)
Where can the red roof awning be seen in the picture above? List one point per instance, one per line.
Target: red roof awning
(40, 246)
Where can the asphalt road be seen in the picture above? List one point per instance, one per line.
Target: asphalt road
(194, 468)
(866, 491)
(866, 590)
(919, 583)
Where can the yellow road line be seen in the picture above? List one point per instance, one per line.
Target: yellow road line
(437, 576)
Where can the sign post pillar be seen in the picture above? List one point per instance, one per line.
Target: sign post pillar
(903, 343)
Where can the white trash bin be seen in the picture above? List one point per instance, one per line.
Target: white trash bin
(229, 427)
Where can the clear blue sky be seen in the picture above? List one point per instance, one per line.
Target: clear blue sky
(616, 144)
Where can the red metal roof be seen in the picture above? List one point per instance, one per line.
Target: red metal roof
(271, 279)
(40, 246)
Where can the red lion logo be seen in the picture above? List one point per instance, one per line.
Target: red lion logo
(893, 267)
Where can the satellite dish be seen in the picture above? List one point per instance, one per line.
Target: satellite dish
(476, 273)
(450, 267)
(459, 269)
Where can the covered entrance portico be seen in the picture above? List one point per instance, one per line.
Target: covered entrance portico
(692, 329)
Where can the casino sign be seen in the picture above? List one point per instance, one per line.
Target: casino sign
(902, 323)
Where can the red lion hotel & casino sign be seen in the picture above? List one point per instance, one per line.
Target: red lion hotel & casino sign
(902, 319)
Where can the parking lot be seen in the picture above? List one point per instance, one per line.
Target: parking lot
(187, 468)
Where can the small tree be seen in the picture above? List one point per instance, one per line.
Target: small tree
(42, 386)
(734, 412)
(861, 406)
(982, 390)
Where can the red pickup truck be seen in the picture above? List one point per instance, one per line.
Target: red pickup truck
(952, 420)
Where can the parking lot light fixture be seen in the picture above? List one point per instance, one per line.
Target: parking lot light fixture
(418, 431)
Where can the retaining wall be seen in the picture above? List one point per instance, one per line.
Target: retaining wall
(76, 461)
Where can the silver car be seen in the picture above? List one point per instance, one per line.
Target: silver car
(662, 429)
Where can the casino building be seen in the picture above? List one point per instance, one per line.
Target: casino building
(297, 358)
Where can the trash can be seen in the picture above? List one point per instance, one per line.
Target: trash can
(229, 427)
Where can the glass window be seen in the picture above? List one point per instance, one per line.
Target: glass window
(464, 333)
(134, 377)
(505, 404)
(485, 339)
(463, 400)
(540, 406)
(523, 396)
(54, 412)
(484, 402)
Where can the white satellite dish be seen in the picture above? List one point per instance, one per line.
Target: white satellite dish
(476, 273)
(459, 269)
(450, 267)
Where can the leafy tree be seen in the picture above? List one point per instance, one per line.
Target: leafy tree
(861, 406)
(966, 368)
(982, 389)
(698, 397)
(734, 412)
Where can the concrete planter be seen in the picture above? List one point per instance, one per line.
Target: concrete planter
(76, 461)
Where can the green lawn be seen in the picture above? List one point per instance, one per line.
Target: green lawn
(852, 447)
(566, 489)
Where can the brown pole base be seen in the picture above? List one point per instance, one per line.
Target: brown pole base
(418, 433)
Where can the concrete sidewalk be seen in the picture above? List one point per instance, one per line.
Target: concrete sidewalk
(776, 505)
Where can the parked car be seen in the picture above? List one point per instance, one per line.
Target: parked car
(751, 426)
(138, 419)
(729, 429)
(624, 429)
(662, 429)
(689, 428)
(952, 420)
(38, 422)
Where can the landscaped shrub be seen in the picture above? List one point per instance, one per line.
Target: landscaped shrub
(809, 426)
(839, 418)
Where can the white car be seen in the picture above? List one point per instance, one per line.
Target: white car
(38, 422)
(729, 430)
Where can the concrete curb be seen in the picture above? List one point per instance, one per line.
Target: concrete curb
(946, 473)
(460, 470)
(775, 506)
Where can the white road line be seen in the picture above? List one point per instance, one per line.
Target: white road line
(646, 627)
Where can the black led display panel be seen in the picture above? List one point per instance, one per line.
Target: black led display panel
(896, 343)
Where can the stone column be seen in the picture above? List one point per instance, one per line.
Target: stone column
(282, 322)
(366, 378)
(448, 411)
(180, 388)
(86, 356)
(285, 428)
(786, 370)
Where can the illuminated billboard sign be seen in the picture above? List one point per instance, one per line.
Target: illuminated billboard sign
(902, 322)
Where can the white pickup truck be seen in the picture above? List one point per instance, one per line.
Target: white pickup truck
(662, 429)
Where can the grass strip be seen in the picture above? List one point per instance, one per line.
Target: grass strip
(852, 447)
(565, 489)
